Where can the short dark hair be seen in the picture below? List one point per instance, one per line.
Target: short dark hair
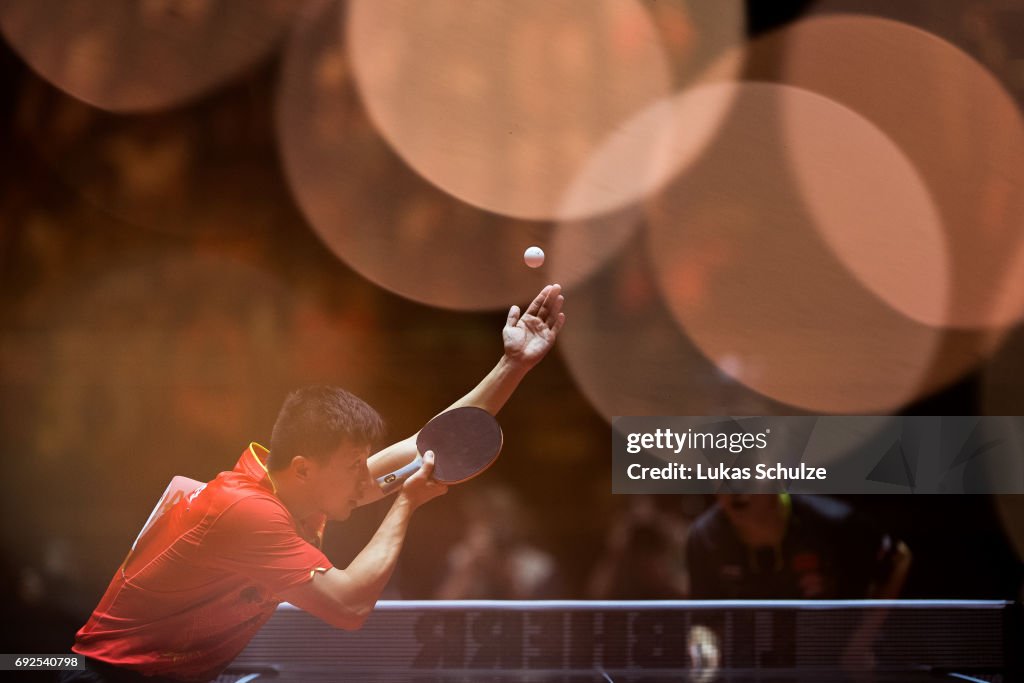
(315, 420)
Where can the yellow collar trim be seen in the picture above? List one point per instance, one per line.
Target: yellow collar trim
(253, 447)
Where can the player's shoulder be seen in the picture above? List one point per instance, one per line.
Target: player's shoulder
(237, 500)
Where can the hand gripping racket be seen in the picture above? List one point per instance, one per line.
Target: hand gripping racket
(466, 441)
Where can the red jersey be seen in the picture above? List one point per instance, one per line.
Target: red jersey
(204, 578)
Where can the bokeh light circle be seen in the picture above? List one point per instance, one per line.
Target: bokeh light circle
(628, 356)
(140, 55)
(368, 207)
(870, 204)
(386, 221)
(671, 135)
(953, 120)
(501, 104)
(738, 260)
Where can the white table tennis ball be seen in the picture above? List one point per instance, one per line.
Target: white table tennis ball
(534, 257)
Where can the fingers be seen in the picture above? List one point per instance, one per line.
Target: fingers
(433, 488)
(550, 313)
(428, 464)
(538, 301)
(426, 469)
(513, 316)
(421, 487)
(559, 322)
(547, 304)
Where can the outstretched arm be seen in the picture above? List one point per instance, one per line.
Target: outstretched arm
(527, 338)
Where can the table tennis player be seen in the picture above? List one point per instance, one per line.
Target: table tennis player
(209, 572)
(777, 546)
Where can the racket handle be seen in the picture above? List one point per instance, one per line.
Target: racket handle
(389, 482)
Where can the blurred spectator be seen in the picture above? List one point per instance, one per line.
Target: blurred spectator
(493, 559)
(774, 546)
(778, 547)
(643, 556)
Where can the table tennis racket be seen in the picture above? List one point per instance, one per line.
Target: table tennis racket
(465, 441)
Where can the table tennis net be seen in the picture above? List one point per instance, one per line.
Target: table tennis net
(575, 640)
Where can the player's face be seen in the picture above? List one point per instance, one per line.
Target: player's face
(341, 481)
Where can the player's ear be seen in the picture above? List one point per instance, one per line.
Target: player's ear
(301, 467)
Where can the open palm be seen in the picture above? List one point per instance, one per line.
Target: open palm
(529, 336)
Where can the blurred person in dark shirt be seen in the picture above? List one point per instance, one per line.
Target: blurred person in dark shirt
(777, 546)
(766, 546)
